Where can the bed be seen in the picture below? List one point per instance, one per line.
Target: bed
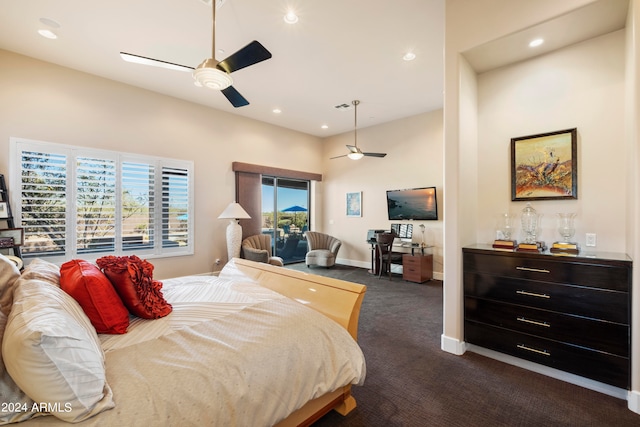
(257, 345)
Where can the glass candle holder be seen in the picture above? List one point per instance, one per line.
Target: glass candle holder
(504, 226)
(529, 219)
(565, 226)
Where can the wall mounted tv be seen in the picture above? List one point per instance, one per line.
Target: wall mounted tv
(412, 204)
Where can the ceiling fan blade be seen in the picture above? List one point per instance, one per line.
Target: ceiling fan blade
(251, 54)
(353, 148)
(337, 157)
(137, 59)
(234, 97)
(375, 154)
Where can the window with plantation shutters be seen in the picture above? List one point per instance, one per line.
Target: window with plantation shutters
(90, 203)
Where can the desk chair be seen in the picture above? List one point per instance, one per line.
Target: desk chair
(384, 243)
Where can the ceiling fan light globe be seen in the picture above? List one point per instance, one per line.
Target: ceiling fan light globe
(355, 156)
(207, 75)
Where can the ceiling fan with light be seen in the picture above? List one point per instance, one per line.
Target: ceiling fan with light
(211, 73)
(355, 153)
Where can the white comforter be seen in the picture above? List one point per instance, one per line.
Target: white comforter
(231, 353)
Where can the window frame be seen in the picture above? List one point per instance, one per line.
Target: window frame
(71, 152)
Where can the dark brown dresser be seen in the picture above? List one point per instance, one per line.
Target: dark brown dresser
(571, 313)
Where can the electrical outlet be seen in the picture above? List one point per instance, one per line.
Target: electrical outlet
(591, 239)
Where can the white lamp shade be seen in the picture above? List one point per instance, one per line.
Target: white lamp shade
(234, 211)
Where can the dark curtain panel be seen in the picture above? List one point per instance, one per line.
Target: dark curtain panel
(248, 194)
(249, 191)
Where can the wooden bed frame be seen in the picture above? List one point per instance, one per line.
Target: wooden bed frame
(337, 299)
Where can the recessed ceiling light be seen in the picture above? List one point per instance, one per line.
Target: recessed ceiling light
(409, 56)
(47, 33)
(536, 42)
(324, 127)
(290, 17)
(277, 111)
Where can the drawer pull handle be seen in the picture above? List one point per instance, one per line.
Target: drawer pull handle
(532, 294)
(543, 352)
(535, 270)
(533, 322)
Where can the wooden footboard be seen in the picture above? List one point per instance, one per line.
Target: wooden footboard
(337, 299)
(340, 400)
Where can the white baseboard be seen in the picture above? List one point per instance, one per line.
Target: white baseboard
(633, 401)
(437, 275)
(352, 263)
(452, 345)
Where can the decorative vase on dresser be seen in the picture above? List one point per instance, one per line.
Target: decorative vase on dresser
(571, 313)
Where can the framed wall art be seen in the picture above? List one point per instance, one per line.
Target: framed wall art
(354, 204)
(16, 233)
(4, 210)
(545, 166)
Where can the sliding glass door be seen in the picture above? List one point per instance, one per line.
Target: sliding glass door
(285, 216)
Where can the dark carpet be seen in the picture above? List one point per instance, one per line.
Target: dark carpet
(412, 382)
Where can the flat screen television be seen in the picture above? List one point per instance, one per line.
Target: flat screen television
(412, 204)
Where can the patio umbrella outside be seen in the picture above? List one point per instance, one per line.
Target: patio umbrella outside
(295, 209)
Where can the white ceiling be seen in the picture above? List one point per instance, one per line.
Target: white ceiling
(593, 20)
(340, 50)
(337, 52)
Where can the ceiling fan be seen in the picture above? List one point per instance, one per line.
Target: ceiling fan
(355, 153)
(211, 73)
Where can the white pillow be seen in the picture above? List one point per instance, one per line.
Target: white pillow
(52, 352)
(10, 393)
(9, 273)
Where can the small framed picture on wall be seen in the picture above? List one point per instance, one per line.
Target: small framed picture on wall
(4, 210)
(354, 204)
(16, 233)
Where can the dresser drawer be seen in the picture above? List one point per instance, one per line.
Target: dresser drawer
(603, 367)
(412, 275)
(409, 260)
(417, 268)
(577, 300)
(598, 335)
(549, 269)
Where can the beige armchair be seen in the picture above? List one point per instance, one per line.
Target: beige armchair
(323, 249)
(258, 248)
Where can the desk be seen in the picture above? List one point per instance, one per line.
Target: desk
(416, 265)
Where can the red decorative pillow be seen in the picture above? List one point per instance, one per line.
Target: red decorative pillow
(95, 294)
(133, 280)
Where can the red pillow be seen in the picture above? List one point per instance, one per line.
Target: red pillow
(95, 294)
(133, 280)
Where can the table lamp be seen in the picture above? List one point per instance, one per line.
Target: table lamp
(233, 213)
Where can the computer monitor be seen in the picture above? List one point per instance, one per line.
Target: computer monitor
(403, 231)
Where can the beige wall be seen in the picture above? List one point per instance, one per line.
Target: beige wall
(42, 101)
(45, 102)
(581, 86)
(565, 89)
(632, 91)
(414, 159)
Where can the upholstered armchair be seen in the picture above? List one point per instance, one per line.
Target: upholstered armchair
(323, 249)
(258, 248)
